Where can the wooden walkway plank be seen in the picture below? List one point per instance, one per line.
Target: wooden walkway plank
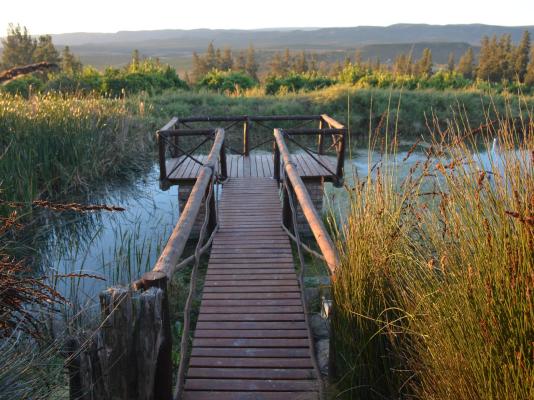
(251, 339)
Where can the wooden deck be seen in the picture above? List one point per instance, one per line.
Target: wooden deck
(255, 165)
(251, 339)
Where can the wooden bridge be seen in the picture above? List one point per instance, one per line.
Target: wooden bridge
(252, 338)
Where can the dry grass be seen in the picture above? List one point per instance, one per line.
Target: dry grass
(434, 296)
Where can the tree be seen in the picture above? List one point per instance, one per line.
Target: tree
(403, 64)
(358, 57)
(46, 51)
(276, 65)
(286, 61)
(529, 75)
(199, 67)
(521, 57)
(227, 61)
(490, 64)
(251, 66)
(19, 47)
(450, 62)
(69, 63)
(301, 63)
(240, 64)
(466, 64)
(135, 62)
(218, 59)
(423, 67)
(505, 57)
(211, 58)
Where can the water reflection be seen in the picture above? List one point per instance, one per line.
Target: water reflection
(116, 247)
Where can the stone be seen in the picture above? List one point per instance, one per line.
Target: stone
(322, 351)
(319, 327)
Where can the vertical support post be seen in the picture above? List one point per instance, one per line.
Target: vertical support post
(211, 208)
(287, 217)
(341, 156)
(246, 143)
(276, 163)
(320, 139)
(222, 161)
(161, 149)
(73, 366)
(163, 378)
(174, 149)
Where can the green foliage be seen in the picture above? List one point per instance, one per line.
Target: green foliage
(23, 86)
(227, 82)
(20, 48)
(52, 144)
(295, 82)
(433, 295)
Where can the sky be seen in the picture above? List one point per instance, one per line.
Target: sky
(60, 16)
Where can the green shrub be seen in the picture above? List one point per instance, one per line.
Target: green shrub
(227, 81)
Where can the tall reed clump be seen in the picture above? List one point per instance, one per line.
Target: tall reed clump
(434, 296)
(52, 144)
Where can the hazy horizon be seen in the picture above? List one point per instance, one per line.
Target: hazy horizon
(102, 16)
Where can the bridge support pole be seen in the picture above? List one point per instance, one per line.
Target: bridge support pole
(129, 357)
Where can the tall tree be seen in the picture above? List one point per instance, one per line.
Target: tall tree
(450, 62)
(218, 59)
(211, 58)
(358, 57)
(423, 67)
(521, 57)
(19, 47)
(241, 62)
(489, 63)
(506, 56)
(69, 62)
(529, 75)
(276, 65)
(199, 67)
(45, 50)
(301, 63)
(286, 61)
(466, 63)
(135, 62)
(227, 60)
(251, 65)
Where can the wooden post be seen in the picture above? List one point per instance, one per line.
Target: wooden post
(163, 377)
(341, 158)
(320, 139)
(287, 215)
(211, 208)
(246, 144)
(161, 148)
(175, 139)
(70, 351)
(276, 163)
(222, 161)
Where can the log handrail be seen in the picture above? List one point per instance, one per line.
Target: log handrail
(175, 245)
(310, 213)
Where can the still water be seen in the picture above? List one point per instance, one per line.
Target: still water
(117, 247)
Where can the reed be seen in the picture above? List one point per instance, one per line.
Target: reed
(434, 295)
(53, 144)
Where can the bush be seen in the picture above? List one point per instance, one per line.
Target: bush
(227, 81)
(23, 86)
(295, 83)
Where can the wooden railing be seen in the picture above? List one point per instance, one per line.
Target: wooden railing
(168, 137)
(130, 355)
(298, 188)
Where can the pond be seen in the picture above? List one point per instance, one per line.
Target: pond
(107, 248)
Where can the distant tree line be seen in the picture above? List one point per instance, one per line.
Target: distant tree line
(500, 65)
(141, 74)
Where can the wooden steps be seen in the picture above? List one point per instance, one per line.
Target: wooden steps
(251, 339)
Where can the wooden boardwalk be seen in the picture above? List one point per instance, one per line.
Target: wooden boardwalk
(251, 339)
(255, 165)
